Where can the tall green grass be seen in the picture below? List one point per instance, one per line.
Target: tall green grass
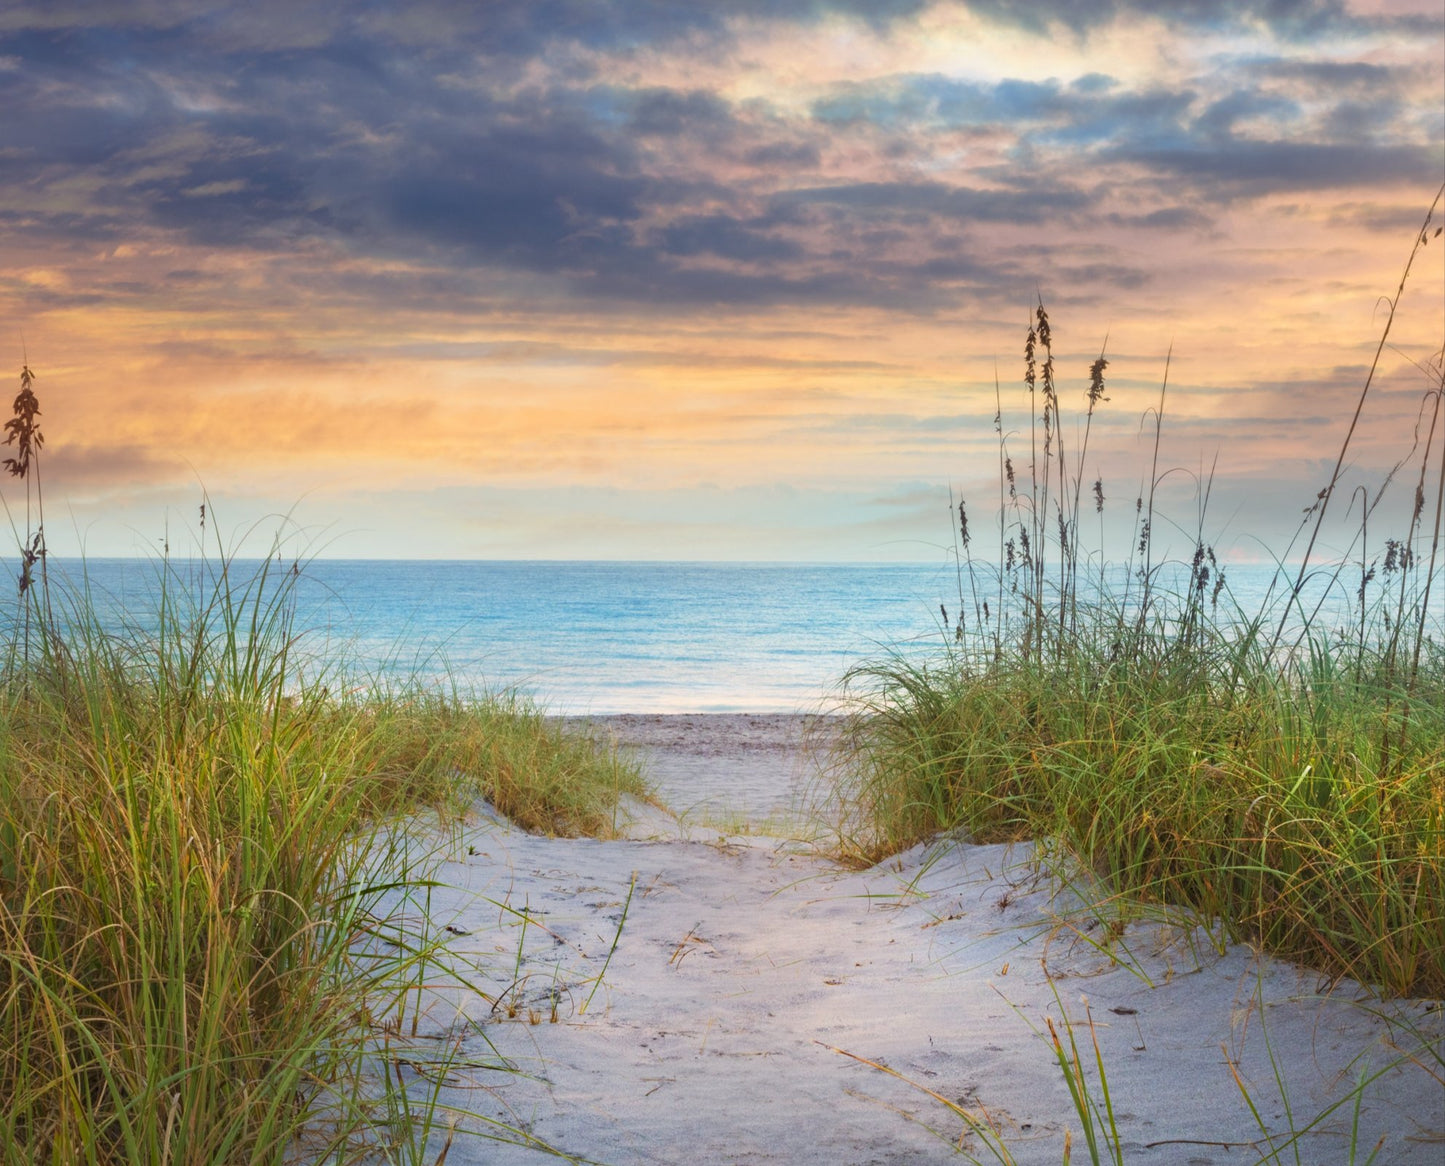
(195, 850)
(1257, 767)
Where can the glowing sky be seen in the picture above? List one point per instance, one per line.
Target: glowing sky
(612, 279)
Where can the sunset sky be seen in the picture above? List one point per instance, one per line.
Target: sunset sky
(687, 280)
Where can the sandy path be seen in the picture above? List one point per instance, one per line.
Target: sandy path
(747, 771)
(742, 964)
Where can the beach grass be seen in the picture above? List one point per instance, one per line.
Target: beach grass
(1256, 797)
(199, 841)
(1260, 768)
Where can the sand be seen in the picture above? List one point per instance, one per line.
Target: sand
(729, 1017)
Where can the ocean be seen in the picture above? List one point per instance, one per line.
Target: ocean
(593, 638)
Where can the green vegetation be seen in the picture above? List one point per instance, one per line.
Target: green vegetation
(193, 849)
(1252, 767)
(1305, 804)
(205, 879)
(201, 857)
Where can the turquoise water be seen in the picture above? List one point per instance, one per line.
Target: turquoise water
(597, 638)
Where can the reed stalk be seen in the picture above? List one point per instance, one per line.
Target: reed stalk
(202, 959)
(1290, 785)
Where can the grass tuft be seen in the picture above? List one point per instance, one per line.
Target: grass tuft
(1256, 767)
(195, 857)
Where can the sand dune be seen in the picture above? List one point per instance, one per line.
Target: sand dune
(752, 981)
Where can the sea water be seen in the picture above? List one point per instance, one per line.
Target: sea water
(592, 638)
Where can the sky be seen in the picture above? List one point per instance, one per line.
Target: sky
(674, 280)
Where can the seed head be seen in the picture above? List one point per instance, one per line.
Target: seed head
(1045, 334)
(1366, 578)
(1096, 382)
(21, 430)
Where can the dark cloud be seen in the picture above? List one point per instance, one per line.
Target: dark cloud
(1358, 120)
(728, 238)
(1248, 141)
(1330, 75)
(668, 112)
(236, 201)
(1168, 218)
(417, 133)
(964, 204)
(544, 194)
(502, 27)
(65, 105)
(1219, 118)
(784, 155)
(1261, 167)
(1293, 17)
(1105, 117)
(521, 26)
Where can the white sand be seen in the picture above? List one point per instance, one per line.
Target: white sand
(743, 963)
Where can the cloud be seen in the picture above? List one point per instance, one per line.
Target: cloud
(963, 204)
(504, 27)
(1168, 218)
(446, 137)
(668, 112)
(1263, 167)
(89, 467)
(372, 153)
(1285, 17)
(726, 237)
(784, 155)
(1397, 219)
(1326, 76)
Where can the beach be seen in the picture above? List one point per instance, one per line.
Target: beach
(710, 988)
